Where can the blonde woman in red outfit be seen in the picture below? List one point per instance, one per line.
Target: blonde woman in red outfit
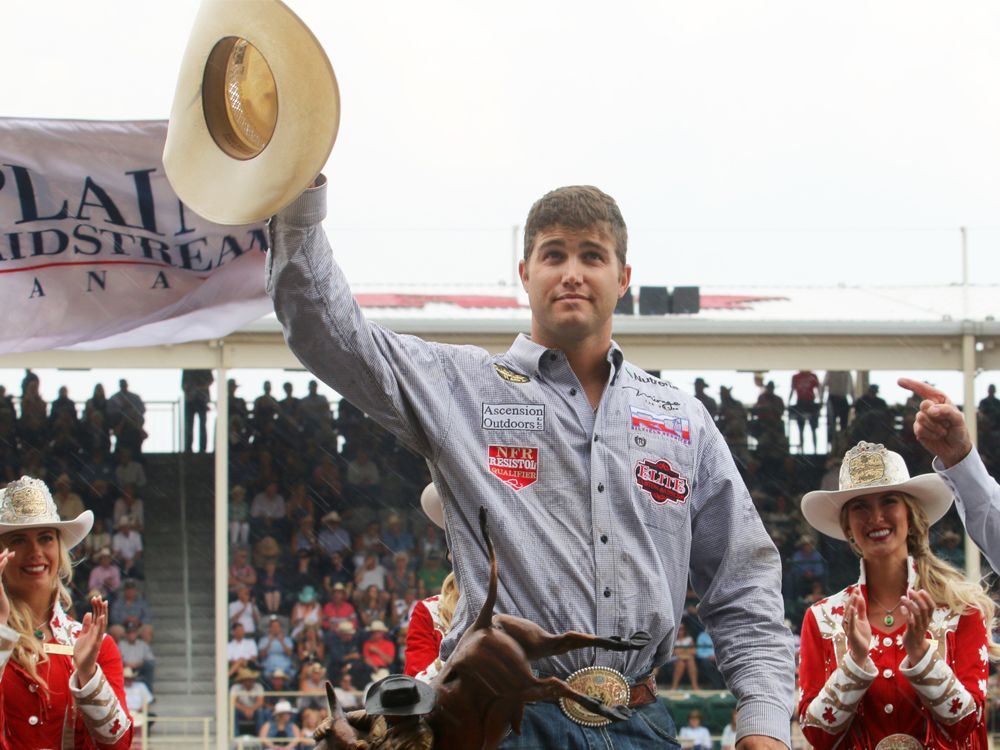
(58, 677)
(899, 660)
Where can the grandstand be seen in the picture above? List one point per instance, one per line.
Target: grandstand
(316, 461)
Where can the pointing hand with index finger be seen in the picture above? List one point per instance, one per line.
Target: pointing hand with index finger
(939, 425)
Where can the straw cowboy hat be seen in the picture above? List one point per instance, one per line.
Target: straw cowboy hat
(430, 501)
(27, 503)
(255, 113)
(870, 468)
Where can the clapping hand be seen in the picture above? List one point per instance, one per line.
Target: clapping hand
(857, 628)
(88, 643)
(916, 608)
(5, 557)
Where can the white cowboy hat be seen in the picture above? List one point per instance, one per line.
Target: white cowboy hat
(27, 503)
(430, 501)
(255, 113)
(870, 468)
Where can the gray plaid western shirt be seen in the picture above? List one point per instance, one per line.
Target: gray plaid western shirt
(598, 517)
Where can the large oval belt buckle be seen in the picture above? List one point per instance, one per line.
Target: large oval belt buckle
(601, 683)
(899, 742)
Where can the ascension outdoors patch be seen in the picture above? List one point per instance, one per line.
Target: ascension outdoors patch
(515, 466)
(661, 482)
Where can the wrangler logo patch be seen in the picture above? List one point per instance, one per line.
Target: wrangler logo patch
(514, 465)
(677, 428)
(661, 482)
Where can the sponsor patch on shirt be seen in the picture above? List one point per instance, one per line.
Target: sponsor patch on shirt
(509, 375)
(661, 482)
(677, 428)
(516, 466)
(514, 417)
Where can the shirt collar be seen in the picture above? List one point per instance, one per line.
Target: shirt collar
(526, 356)
(64, 630)
(911, 573)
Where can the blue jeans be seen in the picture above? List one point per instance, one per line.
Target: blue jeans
(546, 727)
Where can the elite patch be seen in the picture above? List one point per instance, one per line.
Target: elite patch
(515, 466)
(661, 482)
(514, 417)
(509, 375)
(677, 428)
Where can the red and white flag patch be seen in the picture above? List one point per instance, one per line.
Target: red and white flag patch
(516, 466)
(661, 482)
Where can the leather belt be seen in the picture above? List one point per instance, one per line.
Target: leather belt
(643, 693)
(611, 688)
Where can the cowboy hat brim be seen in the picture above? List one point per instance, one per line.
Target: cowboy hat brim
(228, 190)
(71, 532)
(821, 508)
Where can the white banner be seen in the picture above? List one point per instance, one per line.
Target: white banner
(97, 252)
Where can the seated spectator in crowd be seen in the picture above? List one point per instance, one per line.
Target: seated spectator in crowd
(99, 492)
(304, 573)
(307, 610)
(128, 471)
(99, 538)
(363, 476)
(326, 483)
(129, 608)
(373, 606)
(708, 669)
(298, 505)
(137, 654)
(309, 722)
(241, 572)
(137, 693)
(684, 659)
(309, 646)
(807, 565)
(431, 574)
(247, 697)
(105, 577)
(950, 549)
(243, 609)
(68, 503)
(267, 590)
(312, 685)
(402, 607)
(338, 609)
(241, 652)
(126, 545)
(697, 734)
(378, 651)
(94, 434)
(278, 682)
(280, 727)
(371, 573)
(396, 538)
(304, 537)
(267, 513)
(729, 734)
(239, 516)
(401, 577)
(129, 505)
(337, 571)
(333, 537)
(265, 550)
(344, 652)
(430, 541)
(348, 696)
(275, 649)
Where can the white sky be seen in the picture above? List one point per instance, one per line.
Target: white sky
(747, 143)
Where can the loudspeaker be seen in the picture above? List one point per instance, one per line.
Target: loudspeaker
(654, 300)
(685, 299)
(626, 305)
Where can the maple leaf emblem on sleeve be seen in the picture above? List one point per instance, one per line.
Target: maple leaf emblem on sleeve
(956, 704)
(828, 715)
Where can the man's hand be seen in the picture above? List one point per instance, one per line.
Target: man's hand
(760, 742)
(939, 426)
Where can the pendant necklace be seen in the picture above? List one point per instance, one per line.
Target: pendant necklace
(889, 619)
(39, 633)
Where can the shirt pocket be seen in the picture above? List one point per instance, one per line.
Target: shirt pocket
(661, 479)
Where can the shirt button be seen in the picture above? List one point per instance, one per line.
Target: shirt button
(572, 391)
(595, 438)
(888, 708)
(887, 673)
(32, 688)
(553, 356)
(600, 488)
(887, 641)
(604, 538)
(607, 593)
(32, 720)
